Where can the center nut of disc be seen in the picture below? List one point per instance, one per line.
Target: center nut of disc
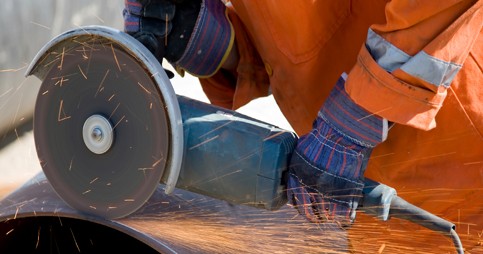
(97, 134)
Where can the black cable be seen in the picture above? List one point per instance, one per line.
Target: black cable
(402, 209)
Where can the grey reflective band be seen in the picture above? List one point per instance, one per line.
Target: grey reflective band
(423, 66)
(388, 56)
(431, 69)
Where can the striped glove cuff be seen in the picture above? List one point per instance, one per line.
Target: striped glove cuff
(352, 121)
(210, 42)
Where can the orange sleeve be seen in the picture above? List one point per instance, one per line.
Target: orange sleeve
(407, 64)
(250, 81)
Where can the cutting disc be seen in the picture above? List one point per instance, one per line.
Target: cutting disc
(101, 129)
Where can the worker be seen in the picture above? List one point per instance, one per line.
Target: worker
(387, 89)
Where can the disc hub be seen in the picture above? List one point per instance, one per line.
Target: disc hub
(97, 134)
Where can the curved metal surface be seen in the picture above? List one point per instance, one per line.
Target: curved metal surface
(51, 55)
(24, 210)
(183, 222)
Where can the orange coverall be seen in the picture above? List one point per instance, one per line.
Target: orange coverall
(297, 49)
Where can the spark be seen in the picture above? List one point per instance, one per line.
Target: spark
(274, 135)
(82, 28)
(472, 163)
(118, 122)
(37, 24)
(93, 180)
(61, 59)
(129, 200)
(459, 216)
(43, 163)
(93, 207)
(375, 113)
(219, 127)
(112, 96)
(418, 159)
(61, 81)
(13, 70)
(16, 212)
(60, 221)
(382, 155)
(10, 231)
(70, 166)
(112, 207)
(38, 238)
(144, 88)
(144, 171)
(62, 112)
(115, 57)
(102, 82)
(101, 20)
(84, 52)
(204, 142)
(6, 92)
(157, 161)
(166, 38)
(51, 62)
(18, 106)
(381, 249)
(75, 241)
(114, 110)
(82, 72)
(85, 192)
(464, 111)
(222, 176)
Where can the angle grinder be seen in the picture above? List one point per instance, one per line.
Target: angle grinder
(109, 129)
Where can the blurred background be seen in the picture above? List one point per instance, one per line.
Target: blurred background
(25, 27)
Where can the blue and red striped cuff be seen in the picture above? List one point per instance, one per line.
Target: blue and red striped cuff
(352, 121)
(210, 42)
(131, 22)
(139, 17)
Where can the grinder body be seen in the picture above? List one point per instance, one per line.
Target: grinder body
(232, 157)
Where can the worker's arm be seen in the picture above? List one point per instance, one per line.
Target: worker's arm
(402, 74)
(198, 37)
(406, 65)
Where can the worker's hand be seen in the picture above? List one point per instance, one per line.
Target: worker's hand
(325, 179)
(193, 35)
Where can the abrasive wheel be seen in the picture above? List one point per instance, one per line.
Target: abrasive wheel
(101, 129)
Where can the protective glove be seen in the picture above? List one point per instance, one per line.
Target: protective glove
(325, 178)
(193, 35)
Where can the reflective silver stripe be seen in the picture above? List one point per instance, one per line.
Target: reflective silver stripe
(431, 69)
(428, 68)
(384, 53)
